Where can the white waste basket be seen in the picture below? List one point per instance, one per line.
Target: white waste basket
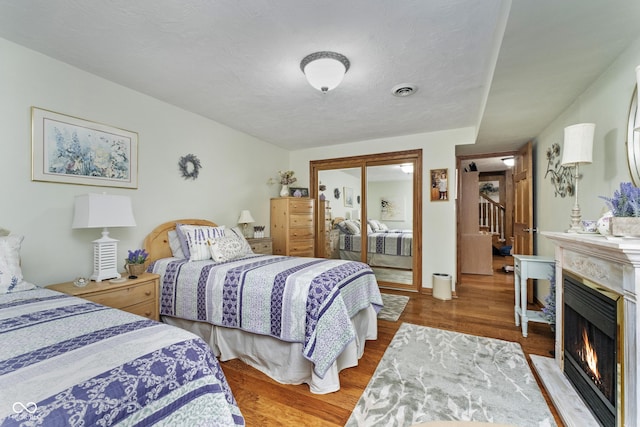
(441, 286)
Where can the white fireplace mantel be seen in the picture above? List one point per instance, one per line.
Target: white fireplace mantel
(613, 263)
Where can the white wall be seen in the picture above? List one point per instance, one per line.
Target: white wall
(401, 190)
(606, 103)
(438, 219)
(234, 174)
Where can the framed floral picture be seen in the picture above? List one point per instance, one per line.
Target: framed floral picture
(71, 150)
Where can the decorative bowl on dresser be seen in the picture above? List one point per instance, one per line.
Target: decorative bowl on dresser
(138, 296)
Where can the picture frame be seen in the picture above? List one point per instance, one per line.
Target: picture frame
(348, 197)
(71, 150)
(392, 208)
(439, 185)
(304, 192)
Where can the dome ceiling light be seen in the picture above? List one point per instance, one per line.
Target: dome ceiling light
(324, 70)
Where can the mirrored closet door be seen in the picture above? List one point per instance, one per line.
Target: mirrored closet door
(368, 210)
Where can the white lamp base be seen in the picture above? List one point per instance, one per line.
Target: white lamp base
(105, 258)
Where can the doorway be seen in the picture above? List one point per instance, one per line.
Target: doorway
(369, 211)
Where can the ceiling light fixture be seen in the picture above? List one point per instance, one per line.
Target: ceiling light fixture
(509, 161)
(324, 70)
(407, 168)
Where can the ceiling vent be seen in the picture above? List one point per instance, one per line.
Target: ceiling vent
(404, 89)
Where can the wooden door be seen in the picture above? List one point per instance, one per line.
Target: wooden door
(523, 201)
(523, 228)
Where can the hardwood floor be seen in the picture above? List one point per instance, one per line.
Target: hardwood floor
(484, 306)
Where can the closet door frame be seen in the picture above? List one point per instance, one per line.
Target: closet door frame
(410, 156)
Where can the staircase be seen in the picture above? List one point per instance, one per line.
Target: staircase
(491, 220)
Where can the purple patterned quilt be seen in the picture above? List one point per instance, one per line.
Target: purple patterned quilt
(66, 361)
(392, 242)
(305, 300)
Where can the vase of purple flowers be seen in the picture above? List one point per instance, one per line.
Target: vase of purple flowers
(134, 262)
(625, 207)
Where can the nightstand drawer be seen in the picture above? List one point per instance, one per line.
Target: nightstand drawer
(139, 296)
(145, 309)
(125, 297)
(261, 246)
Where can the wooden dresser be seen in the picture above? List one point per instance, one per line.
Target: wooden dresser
(138, 296)
(292, 228)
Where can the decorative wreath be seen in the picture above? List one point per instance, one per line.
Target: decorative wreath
(189, 166)
(336, 193)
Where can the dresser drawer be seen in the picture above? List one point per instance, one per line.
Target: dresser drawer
(145, 309)
(124, 297)
(301, 206)
(301, 233)
(302, 248)
(296, 221)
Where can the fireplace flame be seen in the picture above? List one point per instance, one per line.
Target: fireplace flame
(589, 356)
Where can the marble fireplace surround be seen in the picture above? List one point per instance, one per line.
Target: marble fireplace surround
(613, 263)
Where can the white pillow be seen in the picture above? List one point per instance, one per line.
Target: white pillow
(235, 231)
(383, 226)
(375, 224)
(226, 248)
(175, 245)
(197, 237)
(352, 226)
(10, 272)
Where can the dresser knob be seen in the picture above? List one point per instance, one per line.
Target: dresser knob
(147, 293)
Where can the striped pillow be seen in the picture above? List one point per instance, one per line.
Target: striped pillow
(197, 238)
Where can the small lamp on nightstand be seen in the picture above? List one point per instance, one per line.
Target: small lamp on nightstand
(102, 211)
(245, 219)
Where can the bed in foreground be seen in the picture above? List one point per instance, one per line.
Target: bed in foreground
(69, 361)
(298, 320)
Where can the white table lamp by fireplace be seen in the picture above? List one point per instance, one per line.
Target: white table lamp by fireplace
(103, 211)
(578, 148)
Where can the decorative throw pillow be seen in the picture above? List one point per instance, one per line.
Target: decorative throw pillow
(352, 227)
(197, 237)
(183, 240)
(342, 226)
(10, 272)
(175, 245)
(375, 225)
(226, 248)
(383, 227)
(235, 231)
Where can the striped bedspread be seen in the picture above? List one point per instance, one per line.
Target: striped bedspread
(305, 300)
(392, 242)
(66, 361)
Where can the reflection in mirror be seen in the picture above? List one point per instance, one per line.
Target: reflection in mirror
(339, 209)
(389, 222)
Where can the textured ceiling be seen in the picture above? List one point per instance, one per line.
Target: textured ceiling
(237, 62)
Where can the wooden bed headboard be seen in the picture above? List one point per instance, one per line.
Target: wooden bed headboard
(157, 242)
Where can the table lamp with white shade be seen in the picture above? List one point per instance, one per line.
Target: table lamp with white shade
(245, 219)
(578, 148)
(103, 211)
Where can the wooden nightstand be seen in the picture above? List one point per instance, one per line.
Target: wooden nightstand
(139, 296)
(262, 246)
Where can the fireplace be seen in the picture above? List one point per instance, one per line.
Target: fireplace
(610, 269)
(592, 356)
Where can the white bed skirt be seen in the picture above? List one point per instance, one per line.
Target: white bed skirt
(381, 260)
(281, 360)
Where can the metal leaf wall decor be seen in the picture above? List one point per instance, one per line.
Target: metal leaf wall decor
(561, 177)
